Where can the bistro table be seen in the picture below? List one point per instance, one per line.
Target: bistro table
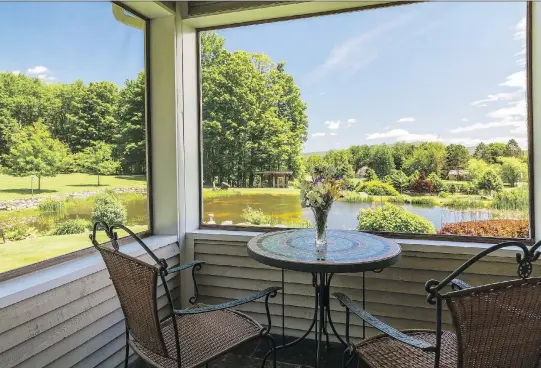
(347, 252)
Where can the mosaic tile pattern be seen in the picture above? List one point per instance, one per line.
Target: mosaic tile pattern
(345, 248)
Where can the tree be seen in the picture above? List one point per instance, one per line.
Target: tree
(401, 151)
(253, 116)
(314, 164)
(513, 170)
(428, 157)
(340, 161)
(382, 160)
(490, 181)
(457, 157)
(370, 175)
(481, 151)
(512, 149)
(398, 180)
(130, 115)
(34, 152)
(97, 160)
(437, 183)
(476, 168)
(361, 156)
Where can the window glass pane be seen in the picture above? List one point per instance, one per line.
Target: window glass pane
(72, 127)
(419, 109)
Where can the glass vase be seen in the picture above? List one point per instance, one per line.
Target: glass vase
(320, 216)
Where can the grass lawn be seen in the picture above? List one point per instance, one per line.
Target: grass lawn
(14, 188)
(25, 252)
(209, 193)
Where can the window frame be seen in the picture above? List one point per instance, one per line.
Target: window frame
(20, 271)
(436, 237)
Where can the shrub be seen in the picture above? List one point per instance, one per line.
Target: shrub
(19, 231)
(109, 208)
(354, 197)
(421, 185)
(437, 183)
(256, 217)
(497, 228)
(425, 201)
(72, 226)
(50, 205)
(394, 219)
(351, 184)
(376, 187)
(443, 195)
(516, 199)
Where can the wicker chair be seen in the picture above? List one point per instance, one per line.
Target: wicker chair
(184, 338)
(497, 325)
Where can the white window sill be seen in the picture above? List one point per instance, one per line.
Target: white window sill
(408, 245)
(26, 286)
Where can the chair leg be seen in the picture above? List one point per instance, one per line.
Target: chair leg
(272, 344)
(127, 348)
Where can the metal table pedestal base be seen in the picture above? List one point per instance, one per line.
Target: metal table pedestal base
(322, 315)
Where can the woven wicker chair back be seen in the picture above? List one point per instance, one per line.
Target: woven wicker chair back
(135, 283)
(498, 325)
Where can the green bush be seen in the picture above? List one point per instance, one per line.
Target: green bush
(393, 219)
(354, 197)
(460, 203)
(72, 226)
(424, 201)
(443, 195)
(19, 231)
(437, 183)
(376, 187)
(370, 175)
(109, 208)
(257, 217)
(515, 199)
(50, 205)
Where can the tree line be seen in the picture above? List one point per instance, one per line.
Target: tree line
(398, 162)
(45, 129)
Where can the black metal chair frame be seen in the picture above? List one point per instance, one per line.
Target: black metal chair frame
(164, 270)
(433, 288)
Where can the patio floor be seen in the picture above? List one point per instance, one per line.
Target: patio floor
(301, 355)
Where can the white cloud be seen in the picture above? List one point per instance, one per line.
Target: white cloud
(479, 126)
(39, 69)
(464, 120)
(408, 119)
(471, 142)
(403, 135)
(516, 80)
(332, 124)
(334, 133)
(16, 72)
(358, 51)
(318, 134)
(520, 29)
(352, 120)
(46, 78)
(503, 96)
(516, 111)
(522, 129)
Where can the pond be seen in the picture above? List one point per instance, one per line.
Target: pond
(136, 206)
(343, 215)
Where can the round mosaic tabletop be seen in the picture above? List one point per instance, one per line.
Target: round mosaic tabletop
(347, 251)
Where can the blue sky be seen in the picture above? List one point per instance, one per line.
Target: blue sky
(62, 42)
(450, 72)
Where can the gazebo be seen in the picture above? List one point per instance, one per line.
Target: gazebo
(275, 179)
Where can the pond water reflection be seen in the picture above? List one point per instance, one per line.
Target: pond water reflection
(343, 215)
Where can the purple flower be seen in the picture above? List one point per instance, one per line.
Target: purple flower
(319, 179)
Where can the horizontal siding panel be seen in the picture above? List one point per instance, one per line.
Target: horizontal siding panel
(65, 326)
(29, 309)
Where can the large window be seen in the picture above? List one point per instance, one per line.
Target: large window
(73, 143)
(421, 108)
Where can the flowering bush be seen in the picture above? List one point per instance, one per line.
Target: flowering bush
(421, 184)
(497, 228)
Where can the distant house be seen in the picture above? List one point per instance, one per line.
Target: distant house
(457, 174)
(362, 172)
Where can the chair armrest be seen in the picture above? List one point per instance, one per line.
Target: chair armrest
(386, 329)
(185, 266)
(228, 305)
(457, 284)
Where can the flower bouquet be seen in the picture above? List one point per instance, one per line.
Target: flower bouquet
(319, 193)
